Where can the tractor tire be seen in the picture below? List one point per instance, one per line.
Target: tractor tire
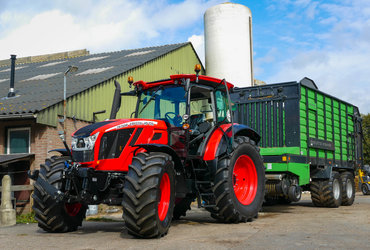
(52, 216)
(327, 193)
(239, 185)
(348, 189)
(365, 189)
(182, 207)
(149, 195)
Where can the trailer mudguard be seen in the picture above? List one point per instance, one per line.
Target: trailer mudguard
(219, 140)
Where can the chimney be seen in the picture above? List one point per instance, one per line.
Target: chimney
(12, 71)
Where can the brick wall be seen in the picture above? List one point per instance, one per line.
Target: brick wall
(43, 138)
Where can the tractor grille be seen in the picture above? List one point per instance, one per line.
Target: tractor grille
(112, 143)
(83, 156)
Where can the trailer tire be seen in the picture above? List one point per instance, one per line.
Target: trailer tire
(348, 189)
(52, 216)
(295, 193)
(365, 189)
(327, 193)
(149, 195)
(239, 184)
(182, 207)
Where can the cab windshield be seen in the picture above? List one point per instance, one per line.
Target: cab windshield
(166, 103)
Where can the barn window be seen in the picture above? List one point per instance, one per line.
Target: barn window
(18, 140)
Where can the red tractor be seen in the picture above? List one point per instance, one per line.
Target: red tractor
(182, 145)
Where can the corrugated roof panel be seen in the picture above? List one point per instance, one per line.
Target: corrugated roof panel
(43, 77)
(94, 71)
(96, 58)
(40, 95)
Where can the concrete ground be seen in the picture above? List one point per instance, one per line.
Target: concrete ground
(296, 226)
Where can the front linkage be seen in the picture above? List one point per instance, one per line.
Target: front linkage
(83, 185)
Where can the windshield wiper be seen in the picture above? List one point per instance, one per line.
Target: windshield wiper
(151, 99)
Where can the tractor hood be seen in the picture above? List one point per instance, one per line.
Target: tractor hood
(111, 125)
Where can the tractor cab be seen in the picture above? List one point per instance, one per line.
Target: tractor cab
(191, 106)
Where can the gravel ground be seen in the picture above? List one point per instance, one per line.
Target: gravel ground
(295, 226)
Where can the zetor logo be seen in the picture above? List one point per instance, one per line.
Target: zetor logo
(134, 123)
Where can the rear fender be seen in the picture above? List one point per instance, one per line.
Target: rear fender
(219, 140)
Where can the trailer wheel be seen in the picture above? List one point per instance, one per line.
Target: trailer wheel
(52, 216)
(239, 183)
(327, 193)
(365, 189)
(348, 189)
(149, 193)
(295, 193)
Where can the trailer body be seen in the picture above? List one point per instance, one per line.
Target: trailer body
(305, 133)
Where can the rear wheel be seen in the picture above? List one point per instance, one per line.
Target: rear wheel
(53, 216)
(149, 193)
(327, 193)
(348, 189)
(239, 183)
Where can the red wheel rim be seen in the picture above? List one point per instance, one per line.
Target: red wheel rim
(245, 180)
(73, 209)
(165, 195)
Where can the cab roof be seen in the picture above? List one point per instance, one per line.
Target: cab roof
(202, 80)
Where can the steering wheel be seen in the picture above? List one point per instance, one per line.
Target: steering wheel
(175, 119)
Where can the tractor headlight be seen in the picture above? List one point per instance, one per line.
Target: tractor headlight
(86, 143)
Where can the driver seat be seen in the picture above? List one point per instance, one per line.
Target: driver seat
(194, 120)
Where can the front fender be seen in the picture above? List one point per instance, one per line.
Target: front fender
(181, 187)
(163, 149)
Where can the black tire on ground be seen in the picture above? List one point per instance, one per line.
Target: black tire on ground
(295, 193)
(182, 207)
(239, 198)
(52, 216)
(148, 207)
(365, 189)
(327, 193)
(348, 189)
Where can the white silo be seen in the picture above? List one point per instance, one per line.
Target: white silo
(228, 43)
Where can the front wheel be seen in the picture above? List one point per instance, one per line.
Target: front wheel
(52, 216)
(240, 183)
(149, 193)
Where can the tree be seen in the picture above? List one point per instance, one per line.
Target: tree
(366, 134)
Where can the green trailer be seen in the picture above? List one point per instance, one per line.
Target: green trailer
(311, 141)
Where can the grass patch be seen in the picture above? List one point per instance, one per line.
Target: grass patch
(26, 218)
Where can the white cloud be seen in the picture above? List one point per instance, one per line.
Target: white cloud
(121, 24)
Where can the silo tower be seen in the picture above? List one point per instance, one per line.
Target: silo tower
(228, 43)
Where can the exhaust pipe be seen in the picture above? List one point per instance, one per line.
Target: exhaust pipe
(12, 72)
(116, 101)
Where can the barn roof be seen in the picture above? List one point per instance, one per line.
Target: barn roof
(40, 85)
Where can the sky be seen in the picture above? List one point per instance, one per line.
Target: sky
(327, 41)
